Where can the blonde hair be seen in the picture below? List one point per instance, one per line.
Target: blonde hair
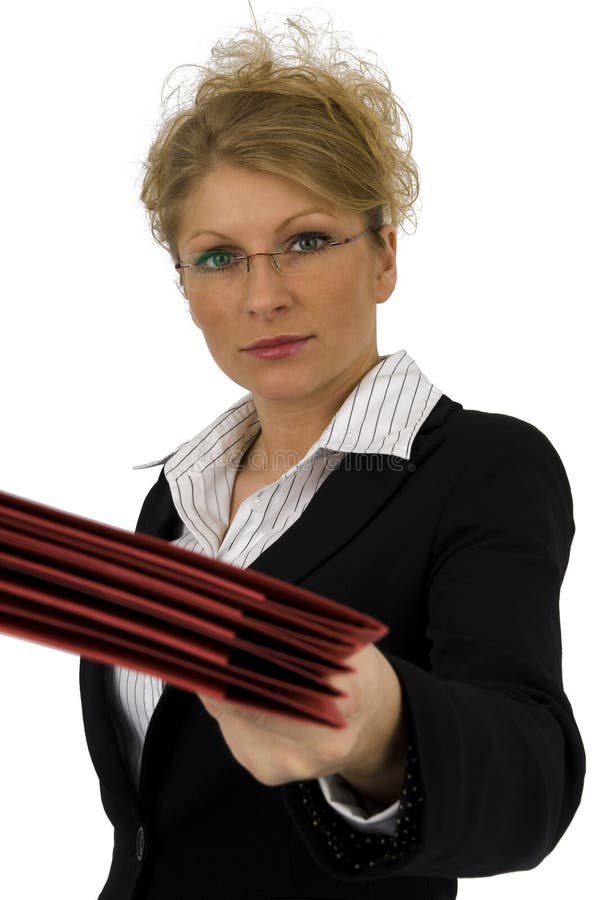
(326, 119)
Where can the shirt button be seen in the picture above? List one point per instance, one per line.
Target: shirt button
(140, 841)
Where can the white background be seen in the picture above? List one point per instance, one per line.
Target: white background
(497, 299)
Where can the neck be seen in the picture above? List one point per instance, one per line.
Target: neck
(289, 429)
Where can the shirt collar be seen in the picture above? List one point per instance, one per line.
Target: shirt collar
(382, 414)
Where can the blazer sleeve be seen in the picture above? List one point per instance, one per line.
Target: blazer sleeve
(501, 761)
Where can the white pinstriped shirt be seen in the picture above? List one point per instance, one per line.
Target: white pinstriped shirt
(382, 414)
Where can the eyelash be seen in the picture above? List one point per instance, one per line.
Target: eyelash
(312, 234)
(207, 254)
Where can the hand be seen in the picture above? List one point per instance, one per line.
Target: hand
(371, 749)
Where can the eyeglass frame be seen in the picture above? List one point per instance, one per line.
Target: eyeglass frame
(179, 265)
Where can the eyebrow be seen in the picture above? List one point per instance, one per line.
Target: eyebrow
(304, 212)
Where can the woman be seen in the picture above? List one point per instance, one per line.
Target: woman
(278, 192)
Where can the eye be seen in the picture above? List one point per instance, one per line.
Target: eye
(310, 242)
(213, 261)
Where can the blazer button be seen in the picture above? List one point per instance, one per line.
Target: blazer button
(140, 841)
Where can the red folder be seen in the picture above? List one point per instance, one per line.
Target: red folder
(123, 598)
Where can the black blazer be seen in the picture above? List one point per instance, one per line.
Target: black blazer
(461, 551)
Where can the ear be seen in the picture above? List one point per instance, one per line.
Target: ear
(386, 265)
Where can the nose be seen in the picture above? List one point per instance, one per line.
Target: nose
(271, 256)
(265, 290)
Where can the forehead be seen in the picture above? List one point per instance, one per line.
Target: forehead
(235, 201)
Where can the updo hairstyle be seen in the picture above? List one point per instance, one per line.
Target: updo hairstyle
(280, 103)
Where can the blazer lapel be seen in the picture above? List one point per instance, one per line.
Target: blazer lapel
(350, 496)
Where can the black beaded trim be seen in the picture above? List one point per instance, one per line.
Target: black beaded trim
(357, 849)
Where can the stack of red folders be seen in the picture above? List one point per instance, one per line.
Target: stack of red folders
(200, 624)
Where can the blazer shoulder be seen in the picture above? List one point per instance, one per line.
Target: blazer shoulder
(479, 431)
(486, 432)
(497, 452)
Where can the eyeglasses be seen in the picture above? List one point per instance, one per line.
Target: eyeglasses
(219, 270)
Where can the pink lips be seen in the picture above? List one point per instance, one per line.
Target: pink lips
(276, 350)
(276, 339)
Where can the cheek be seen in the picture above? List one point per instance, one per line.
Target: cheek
(219, 336)
(197, 321)
(346, 304)
(205, 320)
